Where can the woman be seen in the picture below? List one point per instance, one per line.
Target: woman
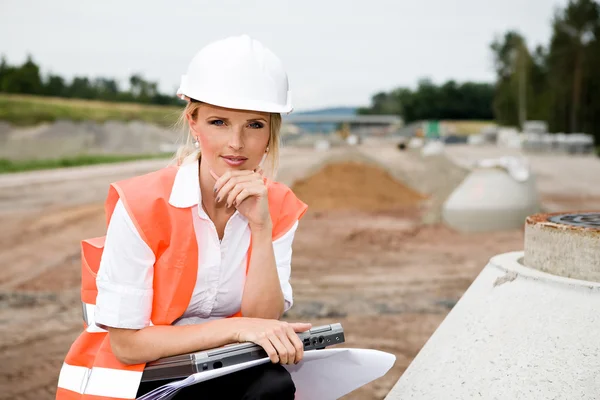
(192, 244)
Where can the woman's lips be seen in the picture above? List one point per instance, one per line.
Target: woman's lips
(234, 161)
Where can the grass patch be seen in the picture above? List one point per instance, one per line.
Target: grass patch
(22, 110)
(8, 166)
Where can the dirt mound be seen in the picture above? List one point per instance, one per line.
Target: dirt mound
(357, 186)
(65, 138)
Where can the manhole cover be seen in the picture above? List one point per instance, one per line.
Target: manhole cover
(586, 220)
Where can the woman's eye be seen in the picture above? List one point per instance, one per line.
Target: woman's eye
(217, 122)
(256, 125)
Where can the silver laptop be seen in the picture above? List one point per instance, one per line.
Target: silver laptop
(187, 364)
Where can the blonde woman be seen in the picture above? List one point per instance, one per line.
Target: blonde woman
(193, 244)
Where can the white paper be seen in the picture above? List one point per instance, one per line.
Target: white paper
(331, 373)
(322, 374)
(517, 167)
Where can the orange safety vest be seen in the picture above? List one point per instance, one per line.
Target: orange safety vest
(90, 370)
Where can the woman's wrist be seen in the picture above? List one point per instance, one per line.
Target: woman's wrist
(265, 228)
(230, 329)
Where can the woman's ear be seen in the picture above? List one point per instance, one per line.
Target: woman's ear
(191, 122)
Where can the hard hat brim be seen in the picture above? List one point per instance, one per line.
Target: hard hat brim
(240, 104)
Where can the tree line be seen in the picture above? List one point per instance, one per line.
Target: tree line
(27, 79)
(428, 101)
(559, 83)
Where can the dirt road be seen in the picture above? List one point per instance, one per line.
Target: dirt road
(386, 276)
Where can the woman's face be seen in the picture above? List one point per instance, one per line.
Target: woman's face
(231, 139)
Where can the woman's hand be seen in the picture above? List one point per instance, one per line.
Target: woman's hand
(246, 191)
(279, 339)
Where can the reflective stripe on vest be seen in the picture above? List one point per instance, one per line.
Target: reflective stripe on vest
(90, 319)
(98, 381)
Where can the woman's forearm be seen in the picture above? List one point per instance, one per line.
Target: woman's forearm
(262, 296)
(154, 342)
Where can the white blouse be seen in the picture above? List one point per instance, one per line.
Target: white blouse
(126, 270)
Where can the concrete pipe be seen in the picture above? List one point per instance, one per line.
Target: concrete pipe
(528, 326)
(490, 199)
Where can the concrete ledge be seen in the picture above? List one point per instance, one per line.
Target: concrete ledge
(563, 249)
(517, 333)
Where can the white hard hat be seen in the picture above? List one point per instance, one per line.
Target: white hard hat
(240, 73)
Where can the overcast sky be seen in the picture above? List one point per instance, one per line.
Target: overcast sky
(337, 53)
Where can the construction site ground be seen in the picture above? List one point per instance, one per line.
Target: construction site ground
(371, 253)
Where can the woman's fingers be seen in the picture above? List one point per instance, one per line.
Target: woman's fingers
(267, 345)
(300, 326)
(256, 189)
(279, 339)
(289, 346)
(296, 343)
(235, 191)
(282, 351)
(222, 192)
(221, 180)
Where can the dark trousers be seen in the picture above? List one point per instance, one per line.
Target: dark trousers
(263, 382)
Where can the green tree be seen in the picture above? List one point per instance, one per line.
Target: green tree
(511, 61)
(106, 89)
(24, 79)
(382, 103)
(449, 101)
(562, 81)
(4, 67)
(55, 86)
(572, 64)
(141, 89)
(81, 88)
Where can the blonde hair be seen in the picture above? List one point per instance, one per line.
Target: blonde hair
(187, 152)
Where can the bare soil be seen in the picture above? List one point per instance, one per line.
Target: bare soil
(382, 272)
(354, 186)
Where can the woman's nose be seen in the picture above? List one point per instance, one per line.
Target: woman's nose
(235, 140)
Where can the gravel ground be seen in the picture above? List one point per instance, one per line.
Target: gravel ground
(389, 275)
